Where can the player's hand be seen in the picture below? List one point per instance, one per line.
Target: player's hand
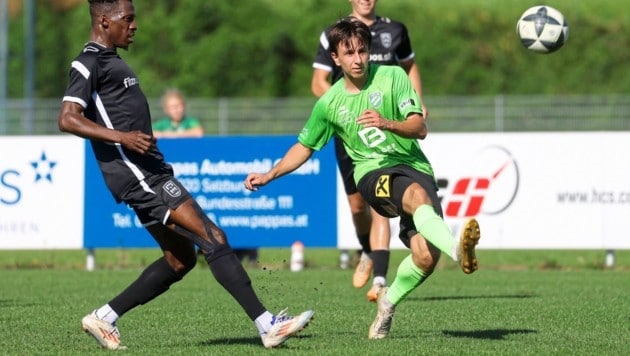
(371, 118)
(255, 180)
(138, 141)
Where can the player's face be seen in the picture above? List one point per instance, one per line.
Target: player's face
(122, 24)
(363, 8)
(174, 107)
(352, 58)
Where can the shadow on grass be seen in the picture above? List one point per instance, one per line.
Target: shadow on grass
(9, 303)
(491, 334)
(465, 297)
(245, 341)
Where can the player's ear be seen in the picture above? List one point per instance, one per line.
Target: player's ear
(104, 21)
(335, 57)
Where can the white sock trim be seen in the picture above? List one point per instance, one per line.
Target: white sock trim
(454, 252)
(107, 314)
(379, 280)
(263, 322)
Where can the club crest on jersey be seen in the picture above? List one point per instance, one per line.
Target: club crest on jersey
(386, 39)
(382, 186)
(376, 99)
(172, 189)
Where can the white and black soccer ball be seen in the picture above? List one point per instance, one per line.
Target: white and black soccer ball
(542, 29)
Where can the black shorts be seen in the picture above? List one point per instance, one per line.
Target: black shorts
(383, 189)
(152, 200)
(346, 167)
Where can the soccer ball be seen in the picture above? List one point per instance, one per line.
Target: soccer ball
(542, 29)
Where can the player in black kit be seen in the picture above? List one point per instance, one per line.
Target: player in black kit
(103, 102)
(390, 46)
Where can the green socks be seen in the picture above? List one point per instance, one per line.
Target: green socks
(408, 277)
(434, 229)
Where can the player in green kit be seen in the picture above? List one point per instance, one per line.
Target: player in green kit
(377, 114)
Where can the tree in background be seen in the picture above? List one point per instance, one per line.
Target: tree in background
(263, 48)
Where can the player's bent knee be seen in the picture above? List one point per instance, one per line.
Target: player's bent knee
(189, 262)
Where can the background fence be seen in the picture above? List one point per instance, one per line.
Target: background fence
(253, 116)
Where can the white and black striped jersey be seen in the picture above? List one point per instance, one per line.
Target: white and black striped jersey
(109, 92)
(390, 45)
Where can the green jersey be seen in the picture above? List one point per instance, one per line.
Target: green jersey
(165, 124)
(387, 91)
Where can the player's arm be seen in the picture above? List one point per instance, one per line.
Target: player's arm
(320, 82)
(191, 132)
(292, 160)
(413, 127)
(413, 71)
(323, 65)
(194, 132)
(71, 120)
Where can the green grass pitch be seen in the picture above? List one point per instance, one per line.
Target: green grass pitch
(518, 303)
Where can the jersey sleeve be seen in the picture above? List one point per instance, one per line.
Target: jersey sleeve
(323, 60)
(81, 81)
(317, 131)
(405, 96)
(404, 51)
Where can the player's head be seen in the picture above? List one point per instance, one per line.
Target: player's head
(347, 32)
(114, 21)
(174, 104)
(350, 41)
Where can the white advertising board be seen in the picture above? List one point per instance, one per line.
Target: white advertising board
(528, 190)
(41, 192)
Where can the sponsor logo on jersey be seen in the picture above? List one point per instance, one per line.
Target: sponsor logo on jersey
(382, 186)
(376, 99)
(386, 39)
(345, 116)
(371, 136)
(380, 57)
(172, 189)
(407, 102)
(128, 82)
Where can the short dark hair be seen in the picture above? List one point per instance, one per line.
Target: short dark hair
(100, 7)
(345, 29)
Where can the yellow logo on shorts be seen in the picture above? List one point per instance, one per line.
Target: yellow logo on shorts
(382, 187)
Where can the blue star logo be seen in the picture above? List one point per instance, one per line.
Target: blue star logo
(43, 168)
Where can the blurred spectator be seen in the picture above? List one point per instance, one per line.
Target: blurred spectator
(176, 123)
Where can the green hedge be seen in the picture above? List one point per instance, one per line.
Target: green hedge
(264, 48)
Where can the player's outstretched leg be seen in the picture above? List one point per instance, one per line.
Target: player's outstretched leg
(284, 326)
(466, 248)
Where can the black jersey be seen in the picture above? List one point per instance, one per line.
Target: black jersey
(109, 92)
(390, 45)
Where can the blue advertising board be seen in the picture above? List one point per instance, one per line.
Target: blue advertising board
(300, 206)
